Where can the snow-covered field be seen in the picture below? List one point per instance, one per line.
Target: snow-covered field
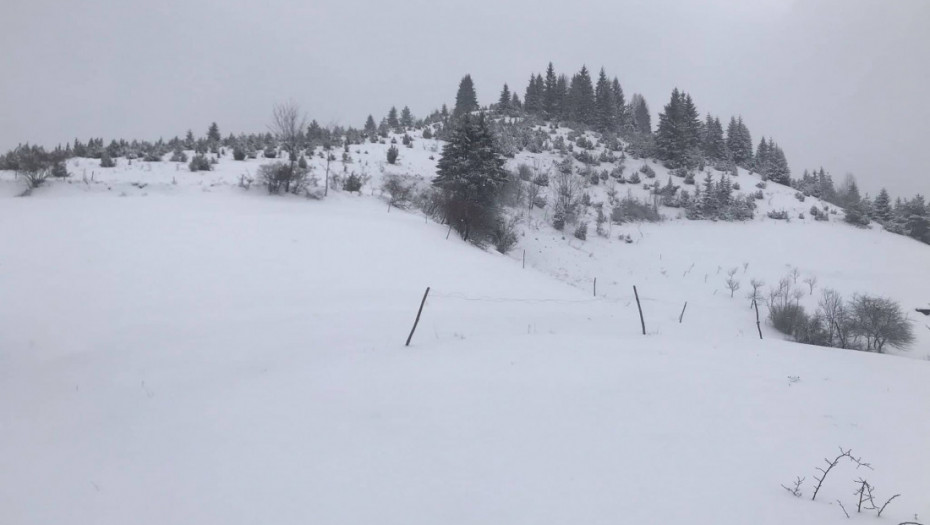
(175, 349)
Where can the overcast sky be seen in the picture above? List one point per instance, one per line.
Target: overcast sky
(838, 83)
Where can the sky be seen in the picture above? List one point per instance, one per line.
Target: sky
(837, 83)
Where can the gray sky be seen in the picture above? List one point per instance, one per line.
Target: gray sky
(838, 83)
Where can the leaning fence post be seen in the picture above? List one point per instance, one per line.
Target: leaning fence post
(682, 316)
(595, 287)
(641, 320)
(524, 258)
(417, 320)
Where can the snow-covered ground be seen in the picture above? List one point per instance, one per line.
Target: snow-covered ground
(175, 349)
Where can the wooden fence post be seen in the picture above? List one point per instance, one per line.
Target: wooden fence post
(417, 320)
(682, 316)
(758, 324)
(595, 287)
(641, 320)
(524, 258)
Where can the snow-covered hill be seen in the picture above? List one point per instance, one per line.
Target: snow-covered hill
(175, 348)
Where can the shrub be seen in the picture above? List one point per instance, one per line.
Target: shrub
(352, 183)
(504, 234)
(630, 209)
(178, 156)
(59, 170)
(787, 316)
(524, 172)
(106, 161)
(880, 322)
(780, 215)
(800, 196)
(581, 231)
(152, 156)
(200, 163)
(634, 178)
(392, 153)
(238, 153)
(761, 185)
(283, 177)
(856, 217)
(399, 189)
(558, 219)
(271, 152)
(689, 178)
(647, 171)
(736, 186)
(302, 163)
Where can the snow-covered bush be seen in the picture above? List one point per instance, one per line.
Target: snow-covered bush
(504, 234)
(392, 154)
(283, 177)
(581, 231)
(178, 156)
(780, 215)
(200, 163)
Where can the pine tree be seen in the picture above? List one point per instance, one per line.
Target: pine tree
(639, 114)
(213, 134)
(532, 99)
(515, 102)
(739, 142)
(620, 115)
(392, 120)
(582, 105)
(470, 174)
(406, 117)
(882, 207)
(466, 100)
(715, 147)
(605, 114)
(550, 93)
(503, 103)
(678, 136)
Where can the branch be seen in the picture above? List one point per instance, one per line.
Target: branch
(844, 508)
(830, 465)
(796, 490)
(886, 504)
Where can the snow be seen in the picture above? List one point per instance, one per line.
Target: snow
(191, 352)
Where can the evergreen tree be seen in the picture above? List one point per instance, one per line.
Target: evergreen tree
(532, 99)
(561, 98)
(715, 147)
(392, 120)
(620, 115)
(504, 102)
(213, 134)
(470, 174)
(882, 207)
(639, 113)
(678, 136)
(606, 109)
(466, 100)
(515, 102)
(739, 142)
(778, 165)
(550, 93)
(582, 105)
(406, 117)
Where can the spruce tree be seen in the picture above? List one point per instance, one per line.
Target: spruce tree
(503, 102)
(550, 94)
(561, 98)
(466, 100)
(392, 121)
(581, 98)
(639, 114)
(606, 109)
(406, 117)
(620, 116)
(532, 99)
(213, 134)
(515, 102)
(470, 174)
(678, 136)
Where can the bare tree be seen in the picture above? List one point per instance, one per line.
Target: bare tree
(811, 282)
(836, 317)
(732, 282)
(881, 322)
(287, 124)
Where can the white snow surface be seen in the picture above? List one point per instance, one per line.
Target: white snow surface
(175, 349)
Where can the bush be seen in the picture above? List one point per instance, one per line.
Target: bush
(59, 170)
(581, 231)
(271, 153)
(634, 178)
(504, 234)
(647, 171)
(200, 163)
(352, 183)
(524, 172)
(558, 220)
(630, 209)
(178, 156)
(106, 161)
(761, 185)
(880, 322)
(856, 217)
(800, 196)
(787, 316)
(238, 153)
(152, 156)
(780, 215)
(689, 178)
(399, 189)
(392, 153)
(281, 177)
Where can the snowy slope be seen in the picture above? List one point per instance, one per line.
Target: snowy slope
(188, 351)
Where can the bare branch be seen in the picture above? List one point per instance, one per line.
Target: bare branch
(886, 504)
(844, 508)
(796, 490)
